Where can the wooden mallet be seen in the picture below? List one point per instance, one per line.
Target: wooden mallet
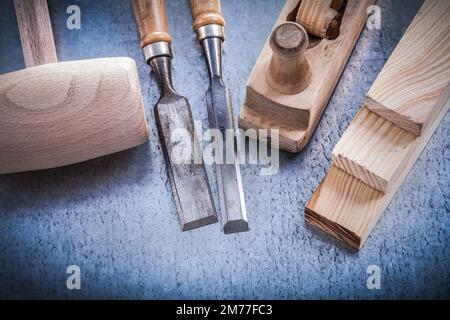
(55, 114)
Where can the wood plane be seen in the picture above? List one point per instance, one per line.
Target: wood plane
(296, 114)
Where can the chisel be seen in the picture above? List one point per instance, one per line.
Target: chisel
(209, 26)
(189, 181)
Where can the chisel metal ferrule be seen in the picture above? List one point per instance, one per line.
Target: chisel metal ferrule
(157, 49)
(211, 31)
(213, 52)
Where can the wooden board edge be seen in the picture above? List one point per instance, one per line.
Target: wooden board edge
(313, 215)
(399, 120)
(332, 228)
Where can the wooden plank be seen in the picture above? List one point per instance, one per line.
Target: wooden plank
(375, 151)
(296, 115)
(346, 206)
(418, 72)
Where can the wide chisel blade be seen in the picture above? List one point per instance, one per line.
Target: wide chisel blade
(189, 182)
(187, 177)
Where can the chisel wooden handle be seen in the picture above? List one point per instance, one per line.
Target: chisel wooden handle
(36, 33)
(206, 12)
(150, 18)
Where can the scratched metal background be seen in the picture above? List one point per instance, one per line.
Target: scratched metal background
(116, 219)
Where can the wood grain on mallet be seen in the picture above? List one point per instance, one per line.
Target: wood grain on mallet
(35, 32)
(63, 113)
(418, 72)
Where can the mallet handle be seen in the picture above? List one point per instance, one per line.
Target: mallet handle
(36, 32)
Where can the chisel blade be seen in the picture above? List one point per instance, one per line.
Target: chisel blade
(189, 181)
(229, 180)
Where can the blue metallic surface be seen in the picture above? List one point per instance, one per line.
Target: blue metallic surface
(116, 219)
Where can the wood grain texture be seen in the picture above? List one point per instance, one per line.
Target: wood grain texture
(296, 116)
(151, 21)
(36, 32)
(347, 208)
(319, 19)
(373, 150)
(423, 58)
(206, 12)
(63, 113)
(375, 154)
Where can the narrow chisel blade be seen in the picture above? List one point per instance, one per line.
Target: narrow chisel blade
(229, 181)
